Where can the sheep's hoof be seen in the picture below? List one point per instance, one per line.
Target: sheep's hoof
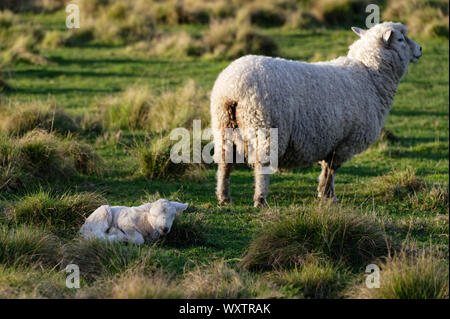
(225, 201)
(260, 203)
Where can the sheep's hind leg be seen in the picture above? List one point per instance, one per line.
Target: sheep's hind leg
(223, 183)
(326, 181)
(261, 187)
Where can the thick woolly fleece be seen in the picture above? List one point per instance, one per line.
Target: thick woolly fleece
(326, 111)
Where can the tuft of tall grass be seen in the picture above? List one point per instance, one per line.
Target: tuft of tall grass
(426, 17)
(220, 280)
(339, 12)
(140, 108)
(409, 276)
(41, 156)
(24, 245)
(114, 22)
(177, 45)
(262, 15)
(226, 38)
(397, 184)
(331, 232)
(20, 282)
(20, 119)
(20, 40)
(99, 258)
(54, 39)
(138, 285)
(316, 278)
(85, 159)
(58, 213)
(301, 19)
(155, 161)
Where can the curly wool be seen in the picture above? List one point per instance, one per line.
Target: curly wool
(335, 108)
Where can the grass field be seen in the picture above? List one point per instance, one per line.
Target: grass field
(400, 184)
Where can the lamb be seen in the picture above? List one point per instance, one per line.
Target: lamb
(135, 224)
(325, 112)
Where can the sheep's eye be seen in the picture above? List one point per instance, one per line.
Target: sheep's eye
(400, 39)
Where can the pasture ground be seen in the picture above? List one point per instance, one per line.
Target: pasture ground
(369, 184)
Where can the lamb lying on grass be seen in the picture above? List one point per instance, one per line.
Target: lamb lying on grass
(326, 111)
(135, 224)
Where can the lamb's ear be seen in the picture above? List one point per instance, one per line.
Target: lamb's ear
(360, 32)
(387, 37)
(179, 207)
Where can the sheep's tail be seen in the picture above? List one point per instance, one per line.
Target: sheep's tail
(226, 119)
(230, 108)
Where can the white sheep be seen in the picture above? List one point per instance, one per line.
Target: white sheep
(134, 224)
(326, 111)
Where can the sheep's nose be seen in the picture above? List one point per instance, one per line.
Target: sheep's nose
(420, 48)
(164, 229)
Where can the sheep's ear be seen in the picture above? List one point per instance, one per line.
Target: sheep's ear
(179, 207)
(360, 32)
(387, 37)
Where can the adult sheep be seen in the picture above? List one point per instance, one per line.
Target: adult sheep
(325, 111)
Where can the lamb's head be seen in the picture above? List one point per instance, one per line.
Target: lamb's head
(385, 44)
(162, 214)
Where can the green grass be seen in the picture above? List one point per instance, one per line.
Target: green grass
(81, 77)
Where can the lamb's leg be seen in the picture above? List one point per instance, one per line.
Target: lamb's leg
(223, 182)
(115, 234)
(261, 187)
(326, 181)
(134, 236)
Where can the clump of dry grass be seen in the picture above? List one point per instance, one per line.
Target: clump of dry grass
(54, 39)
(176, 45)
(433, 198)
(174, 12)
(138, 285)
(155, 161)
(20, 119)
(331, 232)
(98, 258)
(301, 19)
(25, 48)
(115, 21)
(141, 108)
(316, 278)
(421, 16)
(397, 184)
(263, 15)
(85, 160)
(340, 12)
(19, 40)
(227, 38)
(409, 276)
(59, 213)
(41, 156)
(25, 245)
(22, 282)
(220, 280)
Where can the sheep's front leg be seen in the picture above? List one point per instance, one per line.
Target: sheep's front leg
(134, 236)
(261, 187)
(223, 183)
(326, 182)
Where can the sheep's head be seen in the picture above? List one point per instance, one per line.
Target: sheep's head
(162, 214)
(385, 41)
